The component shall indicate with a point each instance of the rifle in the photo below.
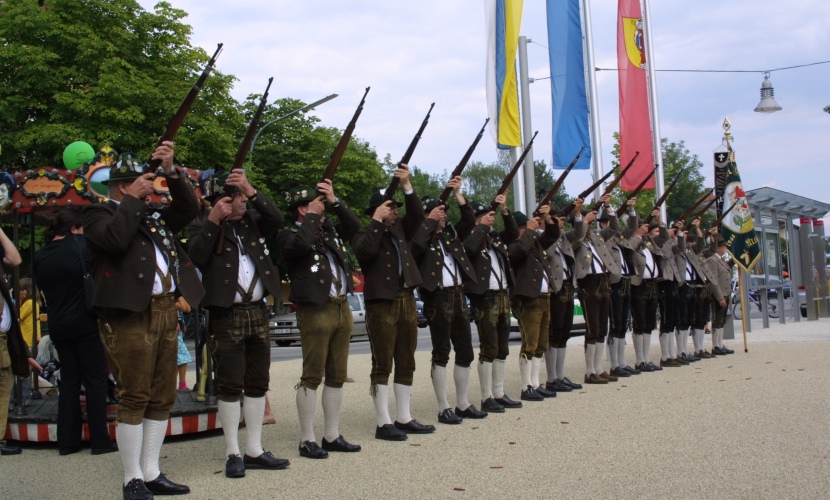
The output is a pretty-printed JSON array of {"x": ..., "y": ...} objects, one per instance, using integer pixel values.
[
  {"x": 705, "y": 208},
  {"x": 344, "y": 141},
  {"x": 393, "y": 184},
  {"x": 463, "y": 163},
  {"x": 154, "y": 164},
  {"x": 614, "y": 183},
  {"x": 570, "y": 208},
  {"x": 693, "y": 207},
  {"x": 664, "y": 196},
  {"x": 558, "y": 183},
  {"x": 241, "y": 154},
  {"x": 509, "y": 179},
  {"x": 636, "y": 191}
]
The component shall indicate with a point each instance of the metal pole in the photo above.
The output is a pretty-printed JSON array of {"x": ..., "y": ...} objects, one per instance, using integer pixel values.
[
  {"x": 659, "y": 176},
  {"x": 591, "y": 88},
  {"x": 744, "y": 307},
  {"x": 518, "y": 183},
  {"x": 527, "y": 129}
]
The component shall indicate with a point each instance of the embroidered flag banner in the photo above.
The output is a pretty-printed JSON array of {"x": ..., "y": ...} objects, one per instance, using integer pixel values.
[
  {"x": 635, "y": 124},
  {"x": 738, "y": 227},
  {"x": 503, "y": 19}
]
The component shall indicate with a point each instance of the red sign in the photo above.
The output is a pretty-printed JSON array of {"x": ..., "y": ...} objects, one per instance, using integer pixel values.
[
  {"x": 818, "y": 222},
  {"x": 806, "y": 220}
]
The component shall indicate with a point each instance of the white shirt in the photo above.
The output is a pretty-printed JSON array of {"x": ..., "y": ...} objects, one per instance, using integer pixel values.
[
  {"x": 449, "y": 268},
  {"x": 333, "y": 291},
  {"x": 246, "y": 273},
  {"x": 161, "y": 263},
  {"x": 650, "y": 272},
  {"x": 6, "y": 322},
  {"x": 497, "y": 272}
]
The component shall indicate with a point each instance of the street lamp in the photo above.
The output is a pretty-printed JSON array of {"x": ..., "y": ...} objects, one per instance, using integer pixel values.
[
  {"x": 767, "y": 104},
  {"x": 304, "y": 108}
]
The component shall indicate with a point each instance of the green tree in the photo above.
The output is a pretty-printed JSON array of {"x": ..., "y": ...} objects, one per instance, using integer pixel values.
[
  {"x": 104, "y": 71},
  {"x": 685, "y": 193}
]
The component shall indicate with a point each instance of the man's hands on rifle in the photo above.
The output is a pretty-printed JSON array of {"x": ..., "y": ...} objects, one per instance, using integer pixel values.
[
  {"x": 604, "y": 199},
  {"x": 402, "y": 173},
  {"x": 544, "y": 214},
  {"x": 534, "y": 223},
  {"x": 488, "y": 219},
  {"x": 455, "y": 185},
  {"x": 164, "y": 153},
  {"x": 326, "y": 189},
  {"x": 501, "y": 201},
  {"x": 383, "y": 211},
  {"x": 631, "y": 202},
  {"x": 696, "y": 222},
  {"x": 590, "y": 217},
  {"x": 578, "y": 206},
  {"x": 641, "y": 231},
  {"x": 237, "y": 179},
  {"x": 656, "y": 215},
  {"x": 316, "y": 206},
  {"x": 438, "y": 213},
  {"x": 141, "y": 187},
  {"x": 222, "y": 208}
]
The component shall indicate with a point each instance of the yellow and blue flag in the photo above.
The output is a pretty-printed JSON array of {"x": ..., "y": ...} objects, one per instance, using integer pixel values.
[{"x": 503, "y": 19}]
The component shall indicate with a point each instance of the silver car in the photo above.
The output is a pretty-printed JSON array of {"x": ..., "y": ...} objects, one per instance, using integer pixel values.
[{"x": 284, "y": 329}]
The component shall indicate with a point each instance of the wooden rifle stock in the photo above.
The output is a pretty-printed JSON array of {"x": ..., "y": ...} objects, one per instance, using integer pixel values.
[
  {"x": 693, "y": 207},
  {"x": 664, "y": 196},
  {"x": 176, "y": 122},
  {"x": 558, "y": 184},
  {"x": 509, "y": 179},
  {"x": 463, "y": 163},
  {"x": 241, "y": 154},
  {"x": 393, "y": 184},
  {"x": 614, "y": 183},
  {"x": 344, "y": 141},
  {"x": 636, "y": 191},
  {"x": 570, "y": 208}
]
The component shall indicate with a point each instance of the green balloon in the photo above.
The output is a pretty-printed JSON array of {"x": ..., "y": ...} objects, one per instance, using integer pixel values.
[{"x": 76, "y": 154}]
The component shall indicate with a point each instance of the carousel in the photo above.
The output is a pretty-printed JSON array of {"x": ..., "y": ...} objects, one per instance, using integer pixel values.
[{"x": 26, "y": 195}]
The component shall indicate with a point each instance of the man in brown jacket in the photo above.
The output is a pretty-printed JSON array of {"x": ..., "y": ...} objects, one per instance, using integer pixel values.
[
  {"x": 139, "y": 269},
  {"x": 237, "y": 272}
]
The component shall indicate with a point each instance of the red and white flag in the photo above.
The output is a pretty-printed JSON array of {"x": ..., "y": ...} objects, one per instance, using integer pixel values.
[{"x": 635, "y": 125}]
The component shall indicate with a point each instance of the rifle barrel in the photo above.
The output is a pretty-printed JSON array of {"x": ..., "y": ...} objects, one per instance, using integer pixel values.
[
  {"x": 393, "y": 184},
  {"x": 464, "y": 160},
  {"x": 509, "y": 179}
]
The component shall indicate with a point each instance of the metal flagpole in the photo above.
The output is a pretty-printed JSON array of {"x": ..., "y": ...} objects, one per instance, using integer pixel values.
[
  {"x": 527, "y": 129},
  {"x": 591, "y": 88},
  {"x": 659, "y": 176},
  {"x": 744, "y": 312}
]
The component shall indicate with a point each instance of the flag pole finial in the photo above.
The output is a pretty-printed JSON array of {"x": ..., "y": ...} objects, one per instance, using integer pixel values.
[{"x": 727, "y": 135}]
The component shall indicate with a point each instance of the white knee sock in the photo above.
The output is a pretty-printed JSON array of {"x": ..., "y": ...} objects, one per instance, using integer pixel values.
[
  {"x": 646, "y": 347},
  {"x": 550, "y": 364},
  {"x": 524, "y": 371},
  {"x": 498, "y": 377},
  {"x": 720, "y": 336},
  {"x": 714, "y": 336},
  {"x": 129, "y": 438},
  {"x": 254, "y": 411},
  {"x": 381, "y": 400},
  {"x": 229, "y": 418},
  {"x": 306, "y": 410},
  {"x": 485, "y": 379},
  {"x": 638, "y": 347},
  {"x": 152, "y": 439},
  {"x": 590, "y": 350},
  {"x": 461, "y": 377},
  {"x": 672, "y": 341},
  {"x": 612, "y": 352},
  {"x": 599, "y": 348},
  {"x": 664, "y": 346},
  {"x": 402, "y": 395},
  {"x": 439, "y": 384},
  {"x": 332, "y": 403},
  {"x": 560, "y": 362},
  {"x": 620, "y": 346},
  {"x": 678, "y": 339}
]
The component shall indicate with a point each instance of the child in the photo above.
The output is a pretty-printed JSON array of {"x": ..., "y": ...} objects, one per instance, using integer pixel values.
[
  {"x": 29, "y": 311},
  {"x": 183, "y": 355}
]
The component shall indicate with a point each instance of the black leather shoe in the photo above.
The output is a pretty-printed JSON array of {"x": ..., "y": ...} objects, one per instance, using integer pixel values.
[
  {"x": 163, "y": 486},
  {"x": 490, "y": 406},
  {"x": 654, "y": 367},
  {"x": 265, "y": 461},
  {"x": 727, "y": 350},
  {"x": 530, "y": 394},
  {"x": 9, "y": 449},
  {"x": 558, "y": 386},
  {"x": 619, "y": 372},
  {"x": 470, "y": 412},
  {"x": 310, "y": 449},
  {"x": 234, "y": 467},
  {"x": 68, "y": 451},
  {"x": 544, "y": 392},
  {"x": 389, "y": 432},
  {"x": 136, "y": 490},
  {"x": 718, "y": 351},
  {"x": 447, "y": 416},
  {"x": 631, "y": 370},
  {"x": 340, "y": 444},
  {"x": 507, "y": 402},
  {"x": 415, "y": 427},
  {"x": 103, "y": 451},
  {"x": 573, "y": 385}
]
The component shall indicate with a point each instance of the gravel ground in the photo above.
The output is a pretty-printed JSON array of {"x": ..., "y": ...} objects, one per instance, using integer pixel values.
[{"x": 748, "y": 425}]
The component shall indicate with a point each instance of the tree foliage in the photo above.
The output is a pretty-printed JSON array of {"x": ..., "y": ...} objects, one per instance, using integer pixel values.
[{"x": 104, "y": 71}]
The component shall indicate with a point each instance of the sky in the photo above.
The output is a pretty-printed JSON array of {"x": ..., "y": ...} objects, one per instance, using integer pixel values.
[{"x": 416, "y": 53}]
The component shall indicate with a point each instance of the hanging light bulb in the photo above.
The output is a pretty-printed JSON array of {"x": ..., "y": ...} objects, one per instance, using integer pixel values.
[{"x": 767, "y": 104}]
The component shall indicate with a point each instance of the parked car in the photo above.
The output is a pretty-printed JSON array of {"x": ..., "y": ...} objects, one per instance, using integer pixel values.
[
  {"x": 284, "y": 330},
  {"x": 419, "y": 313}
]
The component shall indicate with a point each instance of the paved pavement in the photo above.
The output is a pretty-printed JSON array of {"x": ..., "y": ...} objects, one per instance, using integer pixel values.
[{"x": 749, "y": 425}]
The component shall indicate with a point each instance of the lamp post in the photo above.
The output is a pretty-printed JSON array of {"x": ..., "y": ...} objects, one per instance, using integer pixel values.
[{"x": 304, "y": 108}]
